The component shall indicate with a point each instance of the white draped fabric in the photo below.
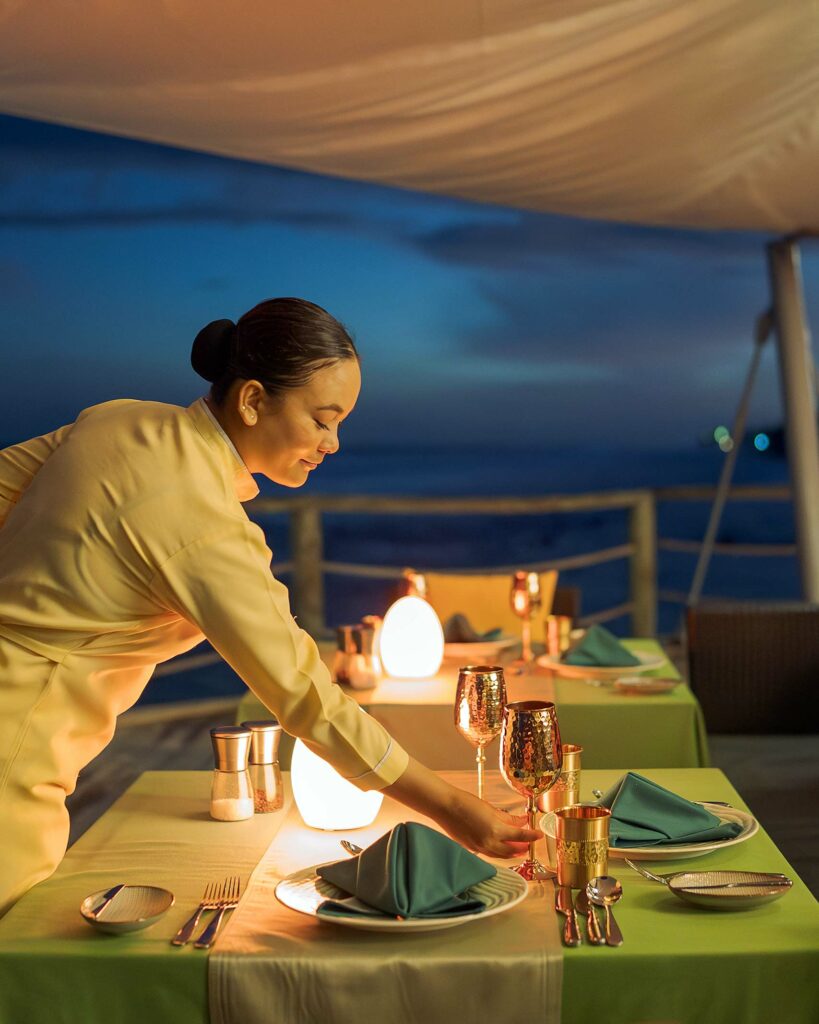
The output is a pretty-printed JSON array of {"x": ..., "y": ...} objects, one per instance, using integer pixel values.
[{"x": 679, "y": 112}]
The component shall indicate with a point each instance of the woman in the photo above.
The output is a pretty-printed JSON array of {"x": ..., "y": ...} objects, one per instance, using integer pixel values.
[{"x": 124, "y": 542}]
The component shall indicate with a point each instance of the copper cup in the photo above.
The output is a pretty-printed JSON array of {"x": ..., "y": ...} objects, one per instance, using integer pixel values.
[
  {"x": 558, "y": 635},
  {"x": 566, "y": 791},
  {"x": 582, "y": 844}
]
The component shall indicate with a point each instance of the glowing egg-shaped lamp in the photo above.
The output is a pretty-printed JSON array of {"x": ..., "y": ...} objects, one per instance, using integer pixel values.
[
  {"x": 325, "y": 800},
  {"x": 412, "y": 641}
]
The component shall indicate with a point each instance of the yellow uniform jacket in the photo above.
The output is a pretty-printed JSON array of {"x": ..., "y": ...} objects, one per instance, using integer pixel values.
[{"x": 122, "y": 542}]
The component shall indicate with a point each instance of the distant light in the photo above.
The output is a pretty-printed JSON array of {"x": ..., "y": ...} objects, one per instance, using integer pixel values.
[
  {"x": 720, "y": 433},
  {"x": 762, "y": 442},
  {"x": 726, "y": 444}
]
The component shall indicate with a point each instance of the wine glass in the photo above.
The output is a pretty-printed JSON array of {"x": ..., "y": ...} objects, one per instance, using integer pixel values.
[
  {"x": 531, "y": 760},
  {"x": 479, "y": 702},
  {"x": 525, "y": 601}
]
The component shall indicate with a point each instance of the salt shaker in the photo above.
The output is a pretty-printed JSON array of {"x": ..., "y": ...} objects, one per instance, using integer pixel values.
[
  {"x": 364, "y": 669},
  {"x": 265, "y": 773},
  {"x": 231, "y": 796},
  {"x": 345, "y": 649}
]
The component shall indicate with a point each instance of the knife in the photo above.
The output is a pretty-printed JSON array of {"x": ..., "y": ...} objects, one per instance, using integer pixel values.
[
  {"x": 563, "y": 905},
  {"x": 106, "y": 899},
  {"x": 593, "y": 933}
]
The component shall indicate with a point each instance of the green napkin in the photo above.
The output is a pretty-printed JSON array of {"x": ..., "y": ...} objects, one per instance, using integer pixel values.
[
  {"x": 459, "y": 630},
  {"x": 600, "y": 647},
  {"x": 412, "y": 871},
  {"x": 645, "y": 814}
]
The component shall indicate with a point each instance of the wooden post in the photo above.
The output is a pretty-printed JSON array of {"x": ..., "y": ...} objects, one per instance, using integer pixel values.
[
  {"x": 307, "y": 547},
  {"x": 643, "y": 565}
]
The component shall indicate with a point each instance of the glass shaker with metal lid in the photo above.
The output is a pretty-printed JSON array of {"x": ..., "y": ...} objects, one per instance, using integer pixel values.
[
  {"x": 231, "y": 797},
  {"x": 345, "y": 651},
  {"x": 265, "y": 773},
  {"x": 364, "y": 668}
]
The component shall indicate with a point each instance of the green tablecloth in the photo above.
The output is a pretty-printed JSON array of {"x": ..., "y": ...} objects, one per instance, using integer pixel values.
[
  {"x": 678, "y": 963},
  {"x": 660, "y": 731}
]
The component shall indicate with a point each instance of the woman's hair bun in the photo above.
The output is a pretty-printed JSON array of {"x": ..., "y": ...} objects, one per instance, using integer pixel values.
[{"x": 210, "y": 354}]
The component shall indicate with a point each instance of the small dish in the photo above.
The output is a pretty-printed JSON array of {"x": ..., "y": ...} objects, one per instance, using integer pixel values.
[
  {"x": 479, "y": 650},
  {"x": 728, "y": 890},
  {"x": 638, "y": 686},
  {"x": 134, "y": 907}
]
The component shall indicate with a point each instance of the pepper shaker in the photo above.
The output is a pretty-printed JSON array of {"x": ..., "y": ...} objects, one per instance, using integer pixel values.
[
  {"x": 345, "y": 650},
  {"x": 231, "y": 798},
  {"x": 265, "y": 773}
]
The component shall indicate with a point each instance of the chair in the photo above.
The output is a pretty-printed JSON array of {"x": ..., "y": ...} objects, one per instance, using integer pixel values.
[
  {"x": 755, "y": 667},
  {"x": 484, "y": 600}
]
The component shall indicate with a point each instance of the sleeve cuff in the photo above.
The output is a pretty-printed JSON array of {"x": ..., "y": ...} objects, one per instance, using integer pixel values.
[{"x": 388, "y": 770}]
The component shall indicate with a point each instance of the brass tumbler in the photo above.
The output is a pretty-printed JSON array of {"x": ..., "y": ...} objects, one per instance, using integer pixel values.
[
  {"x": 582, "y": 842},
  {"x": 566, "y": 791},
  {"x": 558, "y": 635}
]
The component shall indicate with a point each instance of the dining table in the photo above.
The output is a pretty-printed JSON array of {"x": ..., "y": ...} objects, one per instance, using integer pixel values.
[
  {"x": 678, "y": 962},
  {"x": 660, "y": 730}
]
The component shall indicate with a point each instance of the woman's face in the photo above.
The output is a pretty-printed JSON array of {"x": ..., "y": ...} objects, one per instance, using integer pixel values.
[{"x": 286, "y": 438}]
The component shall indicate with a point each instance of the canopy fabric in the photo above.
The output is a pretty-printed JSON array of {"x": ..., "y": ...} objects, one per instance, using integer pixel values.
[{"x": 678, "y": 112}]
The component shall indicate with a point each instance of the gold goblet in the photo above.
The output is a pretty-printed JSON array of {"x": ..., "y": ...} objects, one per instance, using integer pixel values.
[
  {"x": 531, "y": 759},
  {"x": 479, "y": 702},
  {"x": 525, "y": 601}
]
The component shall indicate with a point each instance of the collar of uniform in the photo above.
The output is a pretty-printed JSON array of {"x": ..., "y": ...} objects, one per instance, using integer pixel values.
[{"x": 210, "y": 428}]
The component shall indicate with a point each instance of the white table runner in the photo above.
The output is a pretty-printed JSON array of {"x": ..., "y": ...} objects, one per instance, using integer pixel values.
[{"x": 274, "y": 966}]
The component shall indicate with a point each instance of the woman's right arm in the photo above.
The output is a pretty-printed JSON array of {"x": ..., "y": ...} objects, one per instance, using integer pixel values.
[{"x": 223, "y": 584}]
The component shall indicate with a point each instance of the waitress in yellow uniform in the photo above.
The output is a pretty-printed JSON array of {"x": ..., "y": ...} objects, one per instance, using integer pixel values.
[{"x": 123, "y": 542}]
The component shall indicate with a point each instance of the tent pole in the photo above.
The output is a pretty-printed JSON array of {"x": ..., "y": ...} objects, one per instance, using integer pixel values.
[{"x": 798, "y": 376}]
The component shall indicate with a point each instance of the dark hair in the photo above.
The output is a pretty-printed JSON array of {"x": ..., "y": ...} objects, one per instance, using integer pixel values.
[{"x": 281, "y": 343}]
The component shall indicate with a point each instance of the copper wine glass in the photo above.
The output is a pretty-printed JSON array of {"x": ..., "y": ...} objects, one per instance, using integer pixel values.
[
  {"x": 531, "y": 760},
  {"x": 525, "y": 599},
  {"x": 479, "y": 702}
]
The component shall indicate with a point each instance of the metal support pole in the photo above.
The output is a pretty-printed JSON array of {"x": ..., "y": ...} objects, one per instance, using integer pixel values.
[
  {"x": 798, "y": 376},
  {"x": 307, "y": 549},
  {"x": 643, "y": 566}
]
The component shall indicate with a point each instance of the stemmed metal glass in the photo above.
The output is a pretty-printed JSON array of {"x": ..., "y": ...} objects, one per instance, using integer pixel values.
[
  {"x": 479, "y": 702},
  {"x": 531, "y": 760},
  {"x": 525, "y": 601}
]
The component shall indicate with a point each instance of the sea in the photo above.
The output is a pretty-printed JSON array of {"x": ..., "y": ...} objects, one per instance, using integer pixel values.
[{"x": 453, "y": 542}]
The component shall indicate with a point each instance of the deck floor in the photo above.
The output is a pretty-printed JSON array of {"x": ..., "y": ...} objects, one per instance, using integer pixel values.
[{"x": 778, "y": 776}]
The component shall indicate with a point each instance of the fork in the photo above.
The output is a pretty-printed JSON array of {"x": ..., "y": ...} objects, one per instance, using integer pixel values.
[
  {"x": 209, "y": 902},
  {"x": 228, "y": 900}
]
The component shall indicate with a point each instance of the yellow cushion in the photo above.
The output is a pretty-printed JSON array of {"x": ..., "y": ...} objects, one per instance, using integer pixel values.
[{"x": 484, "y": 600}]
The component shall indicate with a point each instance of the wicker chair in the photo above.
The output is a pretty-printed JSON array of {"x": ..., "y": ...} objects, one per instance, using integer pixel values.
[{"x": 755, "y": 667}]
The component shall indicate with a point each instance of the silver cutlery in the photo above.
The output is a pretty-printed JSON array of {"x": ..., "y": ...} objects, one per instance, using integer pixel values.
[
  {"x": 228, "y": 900},
  {"x": 209, "y": 898},
  {"x": 605, "y": 891},
  {"x": 584, "y": 906},
  {"x": 564, "y": 905},
  {"x": 106, "y": 899},
  {"x": 351, "y": 847}
]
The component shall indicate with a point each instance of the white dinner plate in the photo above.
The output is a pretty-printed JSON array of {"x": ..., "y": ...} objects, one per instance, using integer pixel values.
[
  {"x": 480, "y": 650},
  {"x": 648, "y": 663},
  {"x": 682, "y": 851},
  {"x": 304, "y": 892}
]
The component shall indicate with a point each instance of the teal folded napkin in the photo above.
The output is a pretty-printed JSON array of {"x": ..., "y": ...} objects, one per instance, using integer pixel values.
[
  {"x": 412, "y": 871},
  {"x": 600, "y": 647},
  {"x": 645, "y": 814},
  {"x": 459, "y": 630}
]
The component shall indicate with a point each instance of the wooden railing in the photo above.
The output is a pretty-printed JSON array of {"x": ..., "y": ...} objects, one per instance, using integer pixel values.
[{"x": 308, "y": 566}]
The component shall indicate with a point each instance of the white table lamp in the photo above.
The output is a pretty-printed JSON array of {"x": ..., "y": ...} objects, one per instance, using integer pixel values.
[{"x": 325, "y": 800}]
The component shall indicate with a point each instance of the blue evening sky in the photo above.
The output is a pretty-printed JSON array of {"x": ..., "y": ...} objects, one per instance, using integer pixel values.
[{"x": 477, "y": 324}]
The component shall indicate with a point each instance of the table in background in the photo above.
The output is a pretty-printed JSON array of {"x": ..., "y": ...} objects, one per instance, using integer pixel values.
[
  {"x": 660, "y": 731},
  {"x": 678, "y": 963}
]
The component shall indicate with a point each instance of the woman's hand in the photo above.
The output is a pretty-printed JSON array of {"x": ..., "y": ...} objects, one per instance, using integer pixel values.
[
  {"x": 486, "y": 830},
  {"x": 468, "y": 820}
]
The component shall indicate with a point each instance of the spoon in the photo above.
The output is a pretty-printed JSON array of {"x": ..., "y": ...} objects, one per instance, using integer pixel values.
[
  {"x": 585, "y": 906},
  {"x": 604, "y": 891}
]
